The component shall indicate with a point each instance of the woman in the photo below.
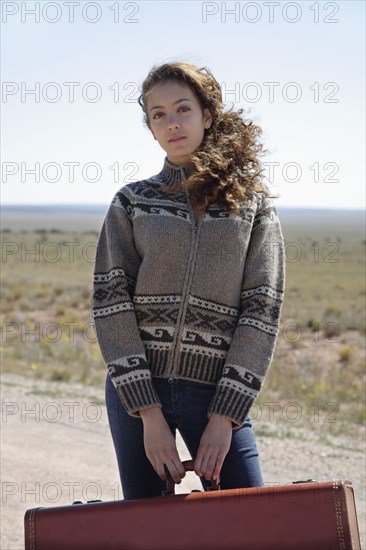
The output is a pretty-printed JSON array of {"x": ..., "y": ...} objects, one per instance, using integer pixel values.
[{"x": 188, "y": 289}]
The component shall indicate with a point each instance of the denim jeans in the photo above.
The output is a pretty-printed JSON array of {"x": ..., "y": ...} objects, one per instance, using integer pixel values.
[{"x": 184, "y": 405}]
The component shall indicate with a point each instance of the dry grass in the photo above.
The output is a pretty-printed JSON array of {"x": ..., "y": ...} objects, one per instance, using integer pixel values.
[{"x": 318, "y": 361}]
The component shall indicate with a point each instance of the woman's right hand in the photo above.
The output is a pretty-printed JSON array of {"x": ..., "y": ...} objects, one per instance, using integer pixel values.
[{"x": 160, "y": 445}]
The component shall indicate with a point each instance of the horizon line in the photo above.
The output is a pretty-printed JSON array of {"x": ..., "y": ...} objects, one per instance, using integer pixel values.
[{"x": 106, "y": 205}]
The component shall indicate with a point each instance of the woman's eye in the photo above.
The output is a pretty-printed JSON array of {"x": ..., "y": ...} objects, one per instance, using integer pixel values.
[{"x": 159, "y": 114}]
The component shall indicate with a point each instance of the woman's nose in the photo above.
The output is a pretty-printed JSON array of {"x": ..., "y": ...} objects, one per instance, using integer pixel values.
[{"x": 173, "y": 123}]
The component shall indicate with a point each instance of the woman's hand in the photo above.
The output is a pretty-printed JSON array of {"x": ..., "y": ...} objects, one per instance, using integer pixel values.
[
  {"x": 214, "y": 446},
  {"x": 160, "y": 445}
]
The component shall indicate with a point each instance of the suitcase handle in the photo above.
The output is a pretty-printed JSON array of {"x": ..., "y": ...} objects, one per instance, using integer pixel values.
[{"x": 189, "y": 467}]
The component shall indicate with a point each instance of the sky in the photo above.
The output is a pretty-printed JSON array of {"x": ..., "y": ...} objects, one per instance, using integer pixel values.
[{"x": 72, "y": 130}]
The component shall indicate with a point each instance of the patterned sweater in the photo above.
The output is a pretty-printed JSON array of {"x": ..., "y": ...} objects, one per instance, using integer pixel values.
[{"x": 195, "y": 300}]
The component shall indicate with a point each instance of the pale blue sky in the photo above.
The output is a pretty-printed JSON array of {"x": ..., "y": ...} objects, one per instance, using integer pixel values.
[{"x": 325, "y": 60}]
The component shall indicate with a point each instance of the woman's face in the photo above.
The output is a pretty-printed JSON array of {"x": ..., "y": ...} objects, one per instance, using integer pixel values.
[{"x": 176, "y": 120}]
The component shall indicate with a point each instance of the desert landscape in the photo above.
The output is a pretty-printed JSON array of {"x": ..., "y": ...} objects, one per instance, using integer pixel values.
[{"x": 56, "y": 446}]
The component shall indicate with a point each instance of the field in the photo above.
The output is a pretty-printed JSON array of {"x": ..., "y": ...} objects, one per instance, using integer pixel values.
[
  {"x": 47, "y": 265},
  {"x": 308, "y": 419}
]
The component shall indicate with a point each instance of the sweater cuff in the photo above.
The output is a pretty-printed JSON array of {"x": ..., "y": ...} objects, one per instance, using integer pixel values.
[
  {"x": 231, "y": 404},
  {"x": 138, "y": 393}
]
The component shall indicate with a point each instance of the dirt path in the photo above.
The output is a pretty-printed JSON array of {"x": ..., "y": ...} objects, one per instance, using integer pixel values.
[{"x": 56, "y": 448}]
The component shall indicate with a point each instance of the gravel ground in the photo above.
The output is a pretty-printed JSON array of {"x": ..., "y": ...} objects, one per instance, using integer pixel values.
[{"x": 56, "y": 448}]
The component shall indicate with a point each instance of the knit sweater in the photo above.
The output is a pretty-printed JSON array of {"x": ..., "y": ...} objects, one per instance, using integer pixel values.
[{"x": 179, "y": 298}]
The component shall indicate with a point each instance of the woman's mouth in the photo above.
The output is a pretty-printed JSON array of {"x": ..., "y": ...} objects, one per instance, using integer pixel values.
[{"x": 177, "y": 138}]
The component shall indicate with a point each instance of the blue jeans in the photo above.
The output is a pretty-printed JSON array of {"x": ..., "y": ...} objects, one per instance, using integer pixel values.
[{"x": 185, "y": 405}]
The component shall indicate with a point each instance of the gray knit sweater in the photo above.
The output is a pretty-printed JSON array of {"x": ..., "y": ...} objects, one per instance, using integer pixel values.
[{"x": 176, "y": 298}]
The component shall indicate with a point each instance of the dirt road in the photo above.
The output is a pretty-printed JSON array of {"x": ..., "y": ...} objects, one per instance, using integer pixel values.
[{"x": 56, "y": 448}]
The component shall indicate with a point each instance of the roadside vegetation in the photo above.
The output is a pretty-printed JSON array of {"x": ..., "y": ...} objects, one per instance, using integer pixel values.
[{"x": 318, "y": 368}]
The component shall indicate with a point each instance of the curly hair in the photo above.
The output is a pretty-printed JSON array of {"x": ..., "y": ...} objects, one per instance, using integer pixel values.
[{"x": 227, "y": 167}]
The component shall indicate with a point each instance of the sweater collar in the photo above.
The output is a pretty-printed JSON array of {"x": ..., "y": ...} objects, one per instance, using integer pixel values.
[{"x": 172, "y": 173}]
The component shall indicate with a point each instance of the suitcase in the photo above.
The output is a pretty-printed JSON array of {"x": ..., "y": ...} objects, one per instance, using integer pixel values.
[{"x": 307, "y": 515}]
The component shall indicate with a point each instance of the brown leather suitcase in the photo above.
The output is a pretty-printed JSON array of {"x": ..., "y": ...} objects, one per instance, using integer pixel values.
[{"x": 308, "y": 515}]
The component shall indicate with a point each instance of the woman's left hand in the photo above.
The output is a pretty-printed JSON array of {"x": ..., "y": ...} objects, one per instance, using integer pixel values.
[{"x": 214, "y": 446}]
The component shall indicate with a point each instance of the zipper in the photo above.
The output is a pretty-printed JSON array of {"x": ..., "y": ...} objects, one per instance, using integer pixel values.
[{"x": 191, "y": 265}]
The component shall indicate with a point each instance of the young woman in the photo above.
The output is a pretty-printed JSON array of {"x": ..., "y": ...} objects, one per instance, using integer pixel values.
[{"x": 188, "y": 289}]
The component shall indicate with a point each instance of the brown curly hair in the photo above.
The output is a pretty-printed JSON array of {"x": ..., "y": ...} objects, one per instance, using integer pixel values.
[{"x": 227, "y": 168}]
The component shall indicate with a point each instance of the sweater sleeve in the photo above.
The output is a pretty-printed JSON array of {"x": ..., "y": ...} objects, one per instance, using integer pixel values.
[
  {"x": 116, "y": 268},
  {"x": 252, "y": 347}
]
